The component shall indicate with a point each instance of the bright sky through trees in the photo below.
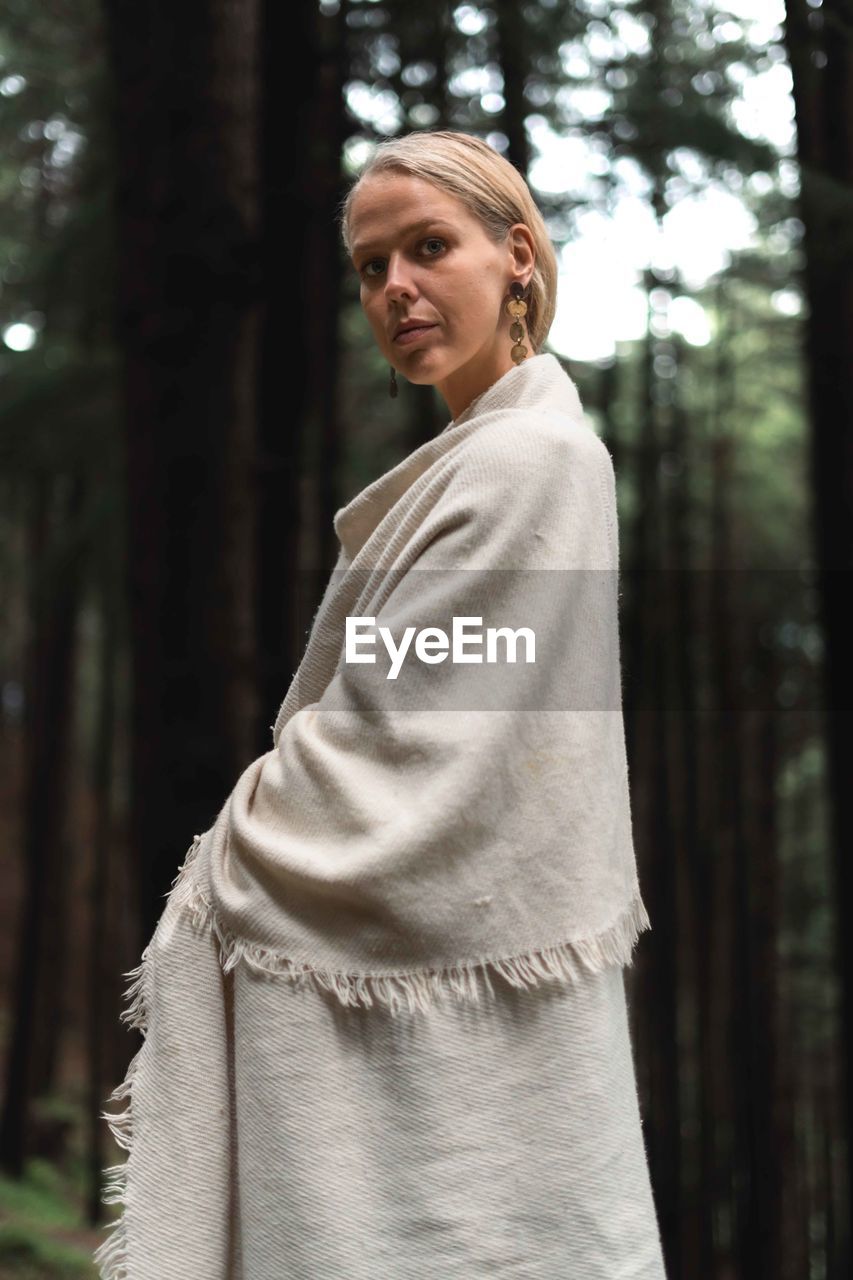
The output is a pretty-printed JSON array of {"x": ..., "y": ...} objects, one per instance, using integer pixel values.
[{"x": 600, "y": 299}]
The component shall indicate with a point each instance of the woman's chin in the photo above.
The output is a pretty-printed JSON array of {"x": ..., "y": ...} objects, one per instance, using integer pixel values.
[{"x": 421, "y": 365}]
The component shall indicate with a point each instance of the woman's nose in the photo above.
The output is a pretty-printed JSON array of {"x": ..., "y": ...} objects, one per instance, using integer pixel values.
[{"x": 398, "y": 278}]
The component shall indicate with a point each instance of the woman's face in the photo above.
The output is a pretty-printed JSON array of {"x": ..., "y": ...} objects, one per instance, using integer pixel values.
[{"x": 421, "y": 256}]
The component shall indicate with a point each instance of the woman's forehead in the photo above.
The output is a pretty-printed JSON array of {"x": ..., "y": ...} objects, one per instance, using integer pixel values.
[{"x": 398, "y": 206}]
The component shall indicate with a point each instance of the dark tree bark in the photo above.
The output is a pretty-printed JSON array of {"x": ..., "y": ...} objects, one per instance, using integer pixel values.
[
  {"x": 767, "y": 1045},
  {"x": 514, "y": 60},
  {"x": 300, "y": 444},
  {"x": 48, "y": 684},
  {"x": 820, "y": 51},
  {"x": 103, "y": 933},
  {"x": 189, "y": 277},
  {"x": 684, "y": 717}
]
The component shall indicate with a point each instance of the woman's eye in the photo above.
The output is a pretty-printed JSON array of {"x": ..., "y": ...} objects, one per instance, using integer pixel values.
[
  {"x": 365, "y": 270},
  {"x": 433, "y": 240}
]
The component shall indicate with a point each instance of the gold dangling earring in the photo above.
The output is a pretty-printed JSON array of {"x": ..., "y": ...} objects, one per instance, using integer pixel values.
[
  {"x": 517, "y": 307},
  {"x": 392, "y": 385}
]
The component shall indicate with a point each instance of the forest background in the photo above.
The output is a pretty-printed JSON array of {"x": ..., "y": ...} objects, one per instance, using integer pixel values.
[{"x": 189, "y": 391}]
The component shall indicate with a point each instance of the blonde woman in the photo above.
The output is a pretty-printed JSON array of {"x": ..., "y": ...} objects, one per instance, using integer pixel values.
[{"x": 386, "y": 1029}]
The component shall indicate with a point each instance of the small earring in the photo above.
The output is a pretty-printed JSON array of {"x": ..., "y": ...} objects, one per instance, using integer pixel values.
[
  {"x": 517, "y": 307},
  {"x": 392, "y": 385}
]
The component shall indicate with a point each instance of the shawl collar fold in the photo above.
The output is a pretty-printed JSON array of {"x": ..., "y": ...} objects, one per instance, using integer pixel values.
[{"x": 538, "y": 383}]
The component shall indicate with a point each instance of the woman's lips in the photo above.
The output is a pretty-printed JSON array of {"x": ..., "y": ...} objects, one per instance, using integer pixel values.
[{"x": 411, "y": 335}]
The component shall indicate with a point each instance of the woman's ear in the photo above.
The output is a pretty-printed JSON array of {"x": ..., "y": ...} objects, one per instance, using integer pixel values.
[{"x": 522, "y": 249}]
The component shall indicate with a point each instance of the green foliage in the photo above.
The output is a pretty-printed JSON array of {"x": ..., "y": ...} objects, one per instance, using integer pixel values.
[{"x": 40, "y": 1233}]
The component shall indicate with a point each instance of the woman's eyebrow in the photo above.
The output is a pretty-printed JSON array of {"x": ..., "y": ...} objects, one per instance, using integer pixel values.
[{"x": 413, "y": 226}]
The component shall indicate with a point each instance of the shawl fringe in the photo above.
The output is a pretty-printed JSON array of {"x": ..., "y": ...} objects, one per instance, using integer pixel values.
[
  {"x": 111, "y": 1255},
  {"x": 420, "y": 990}
]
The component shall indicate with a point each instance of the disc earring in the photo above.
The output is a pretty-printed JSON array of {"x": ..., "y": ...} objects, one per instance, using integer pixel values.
[{"x": 517, "y": 307}]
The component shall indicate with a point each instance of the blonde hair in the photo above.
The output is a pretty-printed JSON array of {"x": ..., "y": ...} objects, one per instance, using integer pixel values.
[{"x": 491, "y": 189}]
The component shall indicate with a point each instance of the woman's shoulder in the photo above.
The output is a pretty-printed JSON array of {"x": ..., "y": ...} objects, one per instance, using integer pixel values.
[
  {"x": 516, "y": 443},
  {"x": 529, "y": 488}
]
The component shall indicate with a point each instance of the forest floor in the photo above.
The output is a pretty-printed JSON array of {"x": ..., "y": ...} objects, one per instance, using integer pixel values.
[
  {"x": 43, "y": 1216},
  {"x": 41, "y": 1236}
]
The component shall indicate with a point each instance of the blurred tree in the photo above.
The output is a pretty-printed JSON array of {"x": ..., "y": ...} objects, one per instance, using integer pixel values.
[
  {"x": 819, "y": 42},
  {"x": 185, "y": 115}
]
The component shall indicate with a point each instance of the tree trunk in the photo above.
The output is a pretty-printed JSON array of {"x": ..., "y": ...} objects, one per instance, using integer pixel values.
[
  {"x": 820, "y": 52},
  {"x": 188, "y": 319},
  {"x": 48, "y": 687}
]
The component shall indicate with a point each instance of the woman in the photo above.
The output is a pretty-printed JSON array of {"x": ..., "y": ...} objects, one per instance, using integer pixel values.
[{"x": 384, "y": 1010}]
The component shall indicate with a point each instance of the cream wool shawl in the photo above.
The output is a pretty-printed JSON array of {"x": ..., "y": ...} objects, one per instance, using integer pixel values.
[{"x": 408, "y": 841}]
